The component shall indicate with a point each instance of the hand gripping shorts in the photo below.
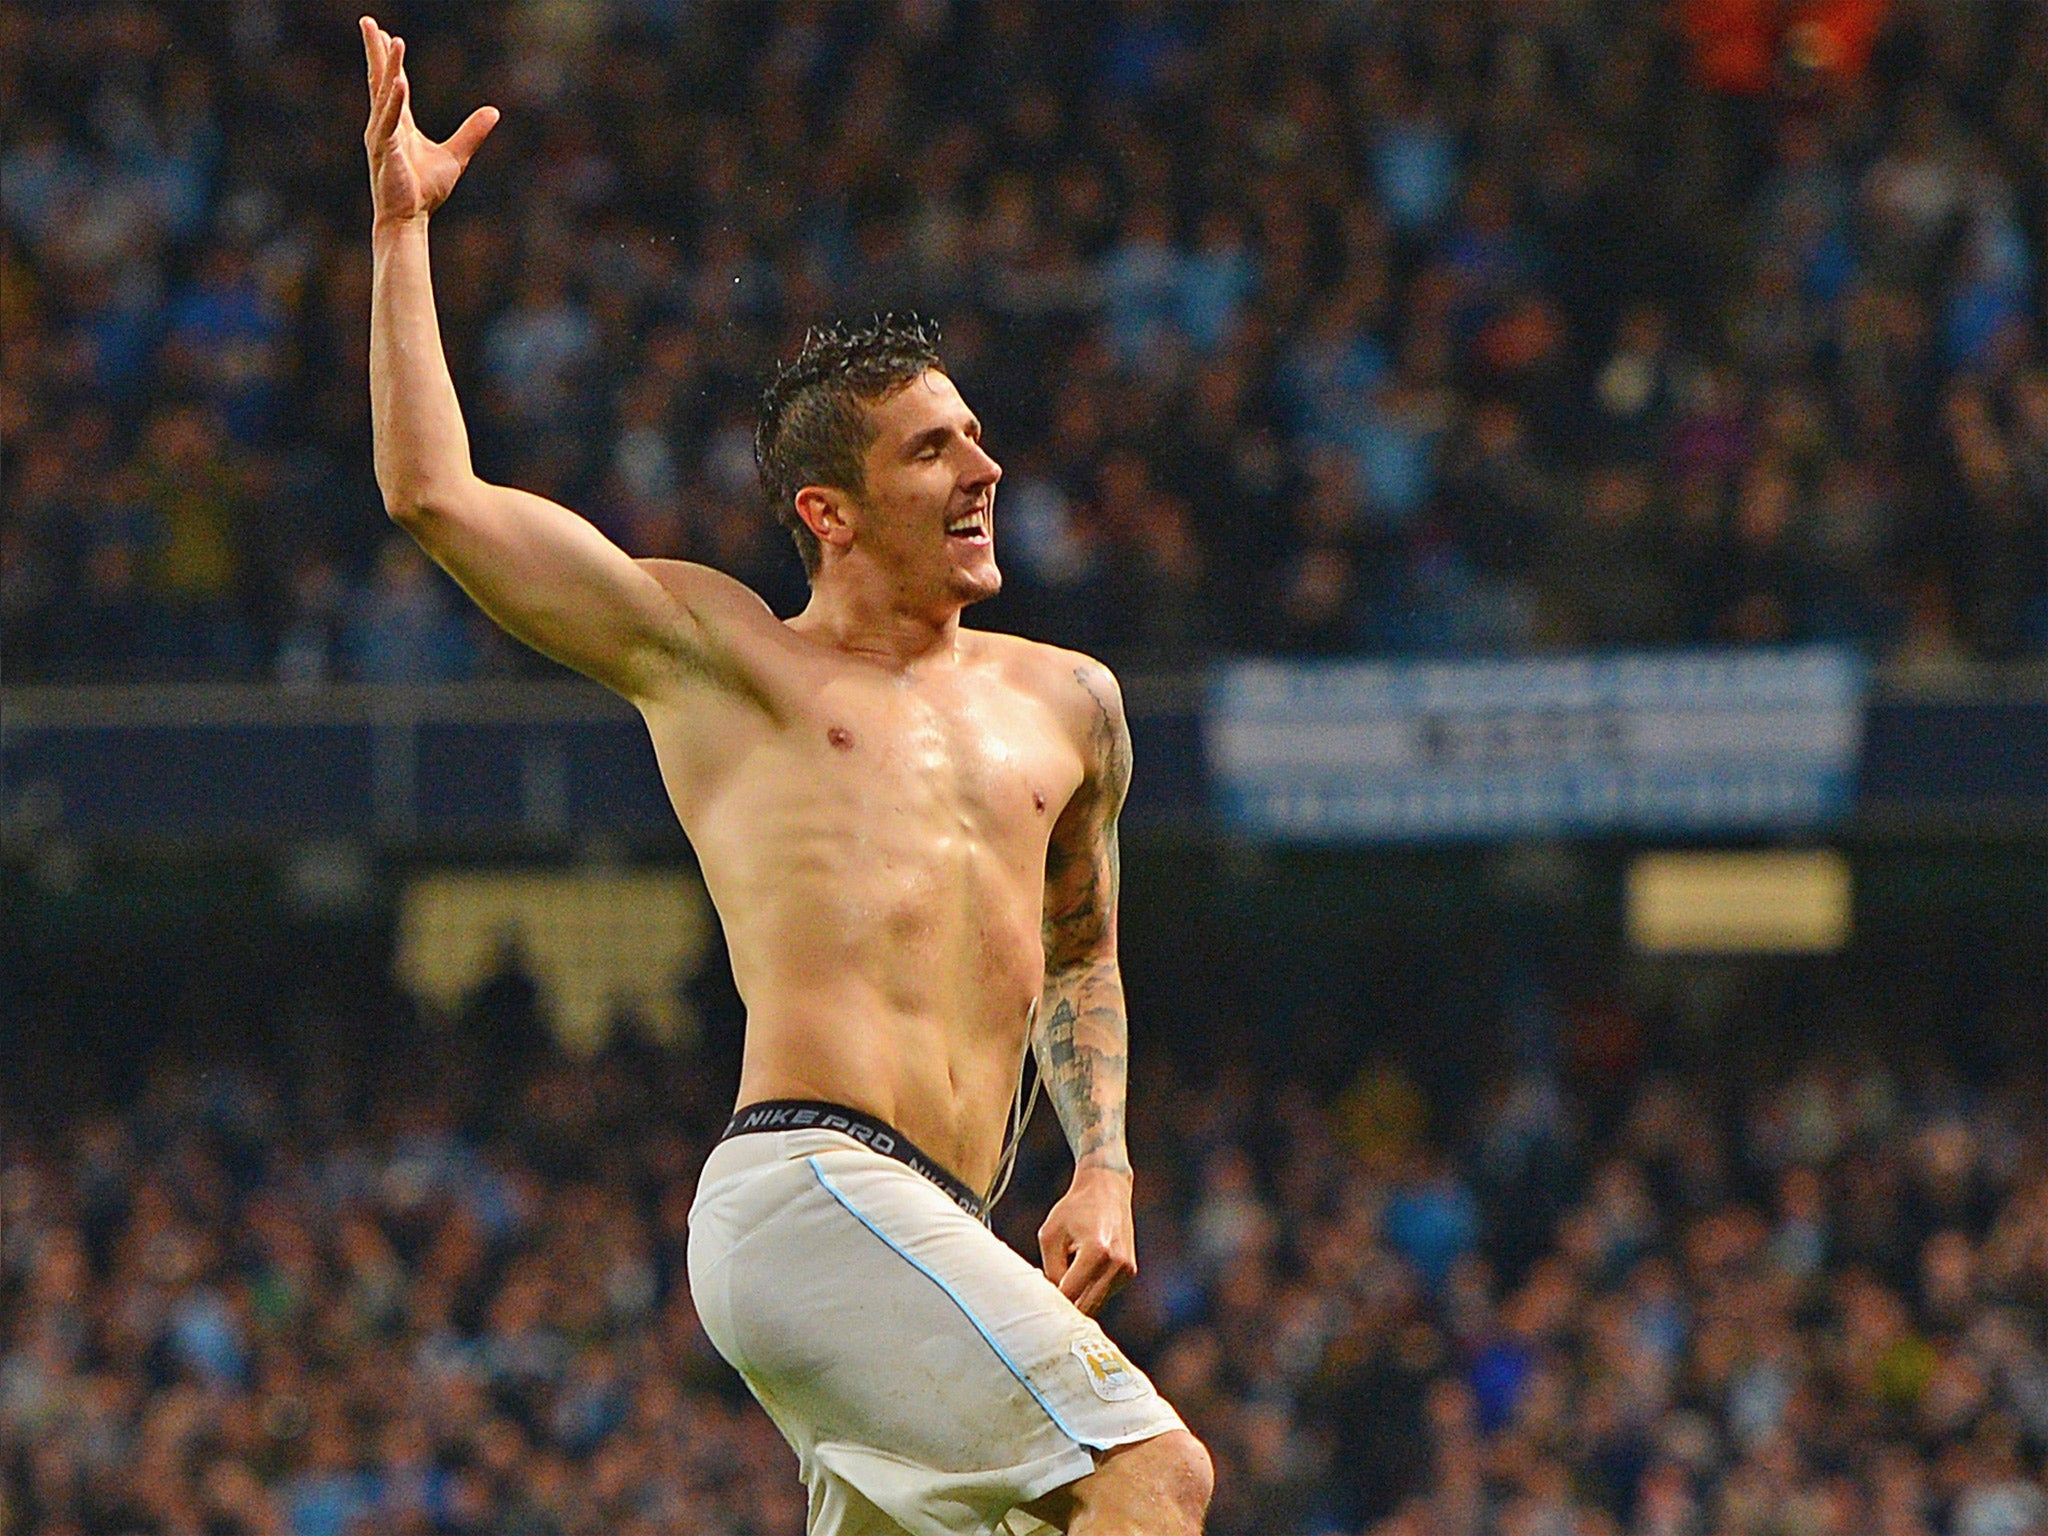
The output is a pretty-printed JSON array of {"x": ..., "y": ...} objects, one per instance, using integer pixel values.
[{"x": 928, "y": 1378}]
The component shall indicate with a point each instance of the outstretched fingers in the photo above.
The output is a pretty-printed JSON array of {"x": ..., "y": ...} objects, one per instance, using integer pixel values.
[
  {"x": 419, "y": 172},
  {"x": 389, "y": 109},
  {"x": 377, "y": 58},
  {"x": 405, "y": 122},
  {"x": 376, "y": 55}
]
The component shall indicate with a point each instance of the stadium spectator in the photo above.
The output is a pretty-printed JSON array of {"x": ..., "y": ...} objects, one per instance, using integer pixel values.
[
  {"x": 1418, "y": 236},
  {"x": 1803, "y": 1300}
]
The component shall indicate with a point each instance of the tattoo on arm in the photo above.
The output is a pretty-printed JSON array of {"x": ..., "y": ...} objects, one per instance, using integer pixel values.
[
  {"x": 1086, "y": 1067},
  {"x": 1082, "y": 1038},
  {"x": 1112, "y": 746}
]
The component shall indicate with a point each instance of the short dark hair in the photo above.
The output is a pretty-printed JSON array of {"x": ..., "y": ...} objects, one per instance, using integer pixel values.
[{"x": 813, "y": 427}]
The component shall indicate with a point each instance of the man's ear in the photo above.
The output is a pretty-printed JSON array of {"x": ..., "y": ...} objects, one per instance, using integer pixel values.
[{"x": 827, "y": 512}]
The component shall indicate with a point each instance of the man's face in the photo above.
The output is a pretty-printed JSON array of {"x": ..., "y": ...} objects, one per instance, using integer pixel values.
[{"x": 928, "y": 511}]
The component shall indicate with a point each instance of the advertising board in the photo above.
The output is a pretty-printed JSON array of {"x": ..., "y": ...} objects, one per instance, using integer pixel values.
[{"x": 1670, "y": 742}]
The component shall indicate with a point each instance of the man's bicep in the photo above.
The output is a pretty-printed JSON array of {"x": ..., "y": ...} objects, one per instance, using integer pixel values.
[
  {"x": 1108, "y": 751},
  {"x": 550, "y": 578},
  {"x": 1083, "y": 862},
  {"x": 1080, "y": 889}
]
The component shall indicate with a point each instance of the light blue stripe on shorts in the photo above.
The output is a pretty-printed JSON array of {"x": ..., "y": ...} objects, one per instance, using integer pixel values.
[{"x": 951, "y": 1295}]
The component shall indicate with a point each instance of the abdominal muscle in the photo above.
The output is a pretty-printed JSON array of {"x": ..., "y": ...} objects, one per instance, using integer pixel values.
[{"x": 888, "y": 956}]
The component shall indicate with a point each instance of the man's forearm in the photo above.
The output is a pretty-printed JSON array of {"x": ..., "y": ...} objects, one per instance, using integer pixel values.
[
  {"x": 1083, "y": 1050},
  {"x": 422, "y": 447}
]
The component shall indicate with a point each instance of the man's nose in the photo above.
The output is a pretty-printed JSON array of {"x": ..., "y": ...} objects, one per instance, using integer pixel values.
[{"x": 981, "y": 468}]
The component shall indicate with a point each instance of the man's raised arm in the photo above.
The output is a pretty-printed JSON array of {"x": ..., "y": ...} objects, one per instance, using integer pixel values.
[
  {"x": 538, "y": 569},
  {"x": 1082, "y": 1039}
]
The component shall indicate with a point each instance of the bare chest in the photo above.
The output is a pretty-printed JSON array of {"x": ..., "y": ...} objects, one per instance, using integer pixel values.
[{"x": 967, "y": 755}]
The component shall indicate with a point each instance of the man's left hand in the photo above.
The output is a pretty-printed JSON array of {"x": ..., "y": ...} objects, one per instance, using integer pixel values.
[{"x": 1089, "y": 1242}]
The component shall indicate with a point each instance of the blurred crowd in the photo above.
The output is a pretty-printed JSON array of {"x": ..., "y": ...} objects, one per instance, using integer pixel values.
[
  {"x": 438, "y": 1287},
  {"x": 1335, "y": 326}
]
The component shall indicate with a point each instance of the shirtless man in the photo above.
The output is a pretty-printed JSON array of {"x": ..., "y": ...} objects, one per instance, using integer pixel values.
[{"x": 909, "y": 830}]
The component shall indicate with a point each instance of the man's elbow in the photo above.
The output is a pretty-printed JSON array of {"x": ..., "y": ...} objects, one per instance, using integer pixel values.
[
  {"x": 403, "y": 507},
  {"x": 414, "y": 503}
]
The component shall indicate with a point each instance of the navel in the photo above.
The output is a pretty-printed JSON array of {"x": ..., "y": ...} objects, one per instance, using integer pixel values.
[
  {"x": 1038, "y": 799},
  {"x": 840, "y": 737}
]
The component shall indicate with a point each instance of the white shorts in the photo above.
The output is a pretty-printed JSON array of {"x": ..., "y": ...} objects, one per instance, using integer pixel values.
[{"x": 929, "y": 1379}]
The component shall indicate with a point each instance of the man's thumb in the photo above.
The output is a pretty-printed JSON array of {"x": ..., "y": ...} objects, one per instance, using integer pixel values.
[{"x": 474, "y": 130}]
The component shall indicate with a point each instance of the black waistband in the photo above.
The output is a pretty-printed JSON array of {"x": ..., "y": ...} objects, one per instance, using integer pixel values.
[{"x": 816, "y": 1115}]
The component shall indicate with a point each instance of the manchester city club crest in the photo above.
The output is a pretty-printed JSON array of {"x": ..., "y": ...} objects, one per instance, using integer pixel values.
[{"x": 1109, "y": 1373}]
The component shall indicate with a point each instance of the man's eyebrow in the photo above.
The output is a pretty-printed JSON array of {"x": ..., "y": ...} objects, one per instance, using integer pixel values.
[{"x": 935, "y": 437}]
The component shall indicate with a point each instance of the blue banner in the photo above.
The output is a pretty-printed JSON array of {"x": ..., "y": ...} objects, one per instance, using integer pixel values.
[
  {"x": 1667, "y": 742},
  {"x": 532, "y": 761}
]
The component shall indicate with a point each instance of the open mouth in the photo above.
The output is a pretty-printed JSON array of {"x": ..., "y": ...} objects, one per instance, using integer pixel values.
[{"x": 970, "y": 527}]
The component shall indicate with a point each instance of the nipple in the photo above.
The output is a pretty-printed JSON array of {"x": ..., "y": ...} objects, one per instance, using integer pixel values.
[{"x": 840, "y": 737}]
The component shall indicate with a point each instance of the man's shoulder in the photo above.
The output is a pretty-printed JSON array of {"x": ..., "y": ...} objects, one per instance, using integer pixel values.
[
  {"x": 735, "y": 616},
  {"x": 1067, "y": 680},
  {"x": 1079, "y": 692},
  {"x": 738, "y": 643}
]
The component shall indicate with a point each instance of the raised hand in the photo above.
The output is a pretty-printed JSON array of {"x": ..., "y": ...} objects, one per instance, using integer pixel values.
[{"x": 410, "y": 175}]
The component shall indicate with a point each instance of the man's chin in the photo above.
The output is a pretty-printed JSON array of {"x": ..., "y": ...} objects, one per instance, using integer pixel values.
[{"x": 975, "y": 583}]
